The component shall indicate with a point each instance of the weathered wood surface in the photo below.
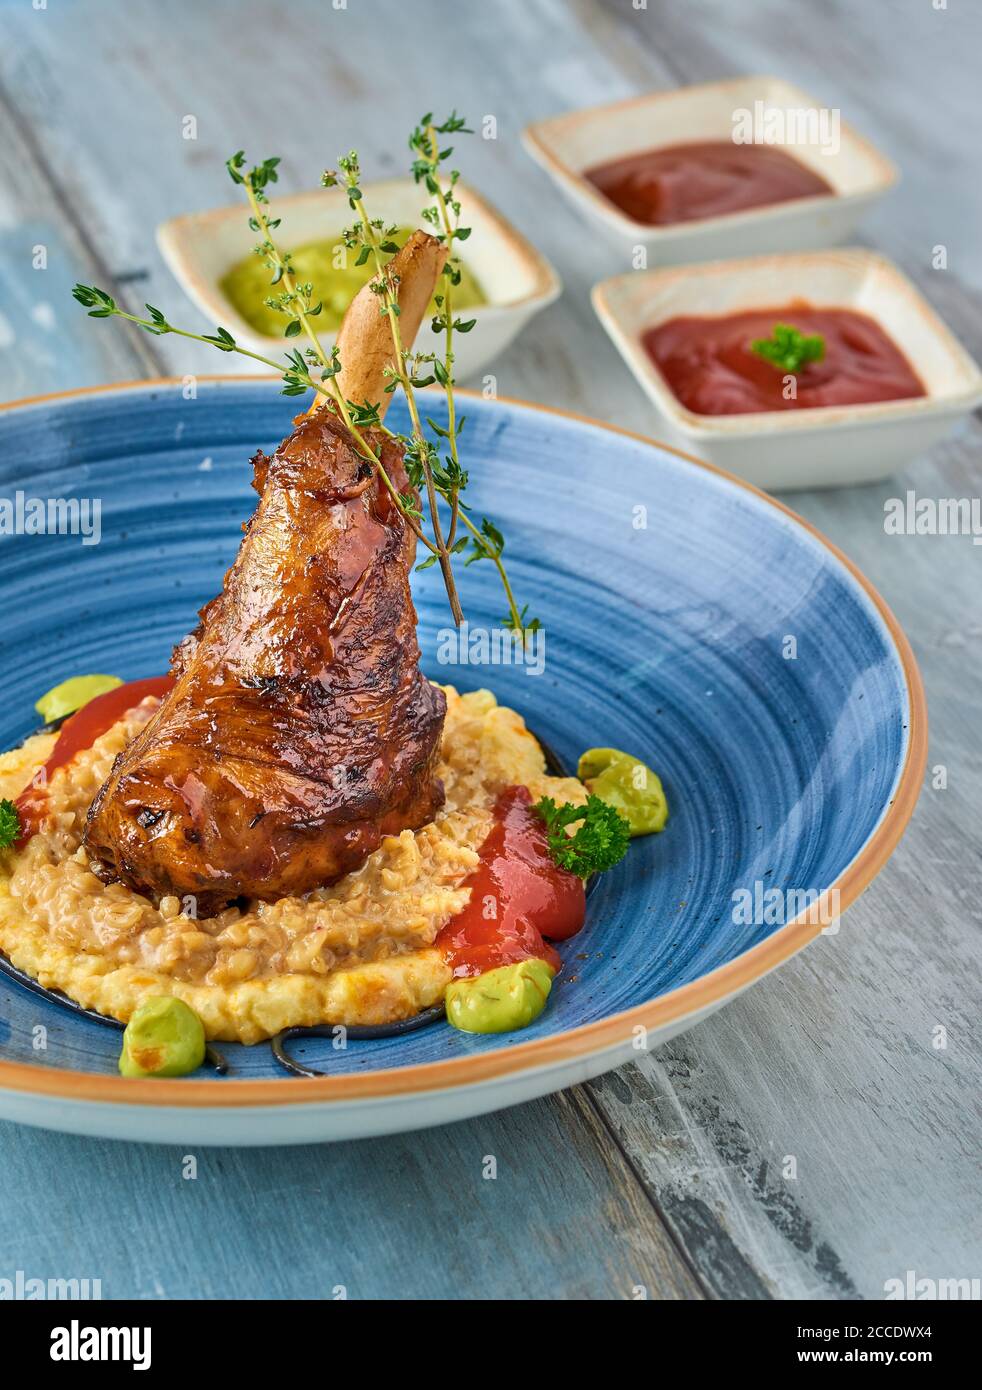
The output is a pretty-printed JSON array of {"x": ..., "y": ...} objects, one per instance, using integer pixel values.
[{"x": 668, "y": 1176}]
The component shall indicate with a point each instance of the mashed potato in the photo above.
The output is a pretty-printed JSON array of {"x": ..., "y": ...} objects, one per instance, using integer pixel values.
[{"x": 358, "y": 952}]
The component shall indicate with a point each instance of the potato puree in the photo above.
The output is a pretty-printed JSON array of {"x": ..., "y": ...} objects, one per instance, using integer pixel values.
[{"x": 358, "y": 952}]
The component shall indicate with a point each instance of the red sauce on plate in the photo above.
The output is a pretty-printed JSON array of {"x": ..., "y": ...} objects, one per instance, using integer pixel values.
[
  {"x": 705, "y": 178},
  {"x": 79, "y": 732},
  {"x": 519, "y": 896},
  {"x": 709, "y": 365}
]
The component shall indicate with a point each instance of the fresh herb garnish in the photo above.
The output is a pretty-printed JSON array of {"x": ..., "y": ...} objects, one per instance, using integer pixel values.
[
  {"x": 789, "y": 348},
  {"x": 432, "y": 460},
  {"x": 599, "y": 843},
  {"x": 9, "y": 823}
]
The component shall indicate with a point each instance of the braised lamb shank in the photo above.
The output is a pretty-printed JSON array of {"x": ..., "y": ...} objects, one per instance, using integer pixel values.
[{"x": 300, "y": 729}]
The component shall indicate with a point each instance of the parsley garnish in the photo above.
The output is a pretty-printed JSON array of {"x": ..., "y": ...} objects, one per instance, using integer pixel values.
[
  {"x": 789, "y": 348},
  {"x": 600, "y": 842},
  {"x": 9, "y": 823}
]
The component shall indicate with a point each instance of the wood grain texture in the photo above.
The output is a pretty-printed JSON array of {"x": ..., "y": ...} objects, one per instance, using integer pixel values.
[
  {"x": 43, "y": 337},
  {"x": 422, "y": 1216},
  {"x": 667, "y": 1176}
]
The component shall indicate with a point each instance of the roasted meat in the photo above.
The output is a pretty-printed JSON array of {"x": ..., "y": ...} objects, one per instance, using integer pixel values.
[{"x": 300, "y": 729}]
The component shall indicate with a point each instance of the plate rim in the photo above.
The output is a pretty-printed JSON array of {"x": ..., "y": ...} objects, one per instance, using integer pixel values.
[{"x": 700, "y": 995}]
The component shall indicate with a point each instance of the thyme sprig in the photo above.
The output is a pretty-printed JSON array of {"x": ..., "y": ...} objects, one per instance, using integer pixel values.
[
  {"x": 372, "y": 239},
  {"x": 444, "y": 216},
  {"x": 432, "y": 461},
  {"x": 295, "y": 300},
  {"x": 442, "y": 478},
  {"x": 294, "y": 372}
]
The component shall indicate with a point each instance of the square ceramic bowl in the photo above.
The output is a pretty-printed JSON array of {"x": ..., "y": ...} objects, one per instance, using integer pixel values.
[
  {"x": 831, "y": 446},
  {"x": 201, "y": 247},
  {"x": 566, "y": 146}
]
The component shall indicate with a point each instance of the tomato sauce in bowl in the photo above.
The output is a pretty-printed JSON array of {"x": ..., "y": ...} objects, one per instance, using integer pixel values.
[
  {"x": 707, "y": 178},
  {"x": 709, "y": 365}
]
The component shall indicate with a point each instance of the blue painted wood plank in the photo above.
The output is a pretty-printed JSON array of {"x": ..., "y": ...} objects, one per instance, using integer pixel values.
[
  {"x": 47, "y": 343},
  {"x": 529, "y": 1204}
]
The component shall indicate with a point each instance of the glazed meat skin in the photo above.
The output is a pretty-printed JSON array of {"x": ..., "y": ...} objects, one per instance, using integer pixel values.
[{"x": 300, "y": 729}]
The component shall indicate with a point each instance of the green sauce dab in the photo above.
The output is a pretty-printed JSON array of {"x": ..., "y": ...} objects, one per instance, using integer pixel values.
[
  {"x": 329, "y": 266},
  {"x": 501, "y": 1000},
  {"x": 627, "y": 784},
  {"x": 165, "y": 1037},
  {"x": 71, "y": 695}
]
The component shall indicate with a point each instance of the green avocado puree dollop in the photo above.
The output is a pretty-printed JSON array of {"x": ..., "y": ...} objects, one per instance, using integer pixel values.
[
  {"x": 72, "y": 694},
  {"x": 165, "y": 1037},
  {"x": 512, "y": 996},
  {"x": 627, "y": 784}
]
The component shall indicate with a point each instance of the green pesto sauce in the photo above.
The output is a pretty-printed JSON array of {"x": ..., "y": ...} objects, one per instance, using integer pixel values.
[
  {"x": 500, "y": 1000},
  {"x": 330, "y": 267}
]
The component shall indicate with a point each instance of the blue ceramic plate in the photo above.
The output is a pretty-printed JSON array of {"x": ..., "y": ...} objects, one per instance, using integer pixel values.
[{"x": 688, "y": 619}]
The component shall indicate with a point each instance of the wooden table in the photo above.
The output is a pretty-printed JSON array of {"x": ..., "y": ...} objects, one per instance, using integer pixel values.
[{"x": 663, "y": 1179}]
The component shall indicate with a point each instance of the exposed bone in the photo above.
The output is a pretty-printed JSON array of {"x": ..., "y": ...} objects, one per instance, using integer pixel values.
[{"x": 365, "y": 337}]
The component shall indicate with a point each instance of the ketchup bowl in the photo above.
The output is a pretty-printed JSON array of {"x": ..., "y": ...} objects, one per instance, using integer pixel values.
[
  {"x": 893, "y": 382},
  {"x": 667, "y": 639},
  {"x": 756, "y": 165}
]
